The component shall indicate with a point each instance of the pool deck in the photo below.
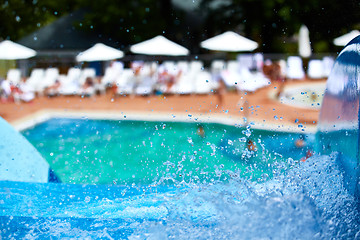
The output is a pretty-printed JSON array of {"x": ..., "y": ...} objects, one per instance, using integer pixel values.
[{"x": 260, "y": 109}]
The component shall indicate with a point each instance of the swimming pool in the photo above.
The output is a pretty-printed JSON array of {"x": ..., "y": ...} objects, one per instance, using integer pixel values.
[
  {"x": 294, "y": 200},
  {"x": 147, "y": 152}
]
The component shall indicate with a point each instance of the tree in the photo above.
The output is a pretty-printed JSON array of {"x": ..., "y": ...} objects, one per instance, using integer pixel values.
[
  {"x": 20, "y": 17},
  {"x": 130, "y": 21},
  {"x": 270, "y": 22}
]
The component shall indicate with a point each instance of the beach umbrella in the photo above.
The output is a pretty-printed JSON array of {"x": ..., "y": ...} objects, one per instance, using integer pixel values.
[
  {"x": 346, "y": 38},
  {"x": 159, "y": 45},
  {"x": 229, "y": 42},
  {"x": 13, "y": 51},
  {"x": 99, "y": 52},
  {"x": 304, "y": 42}
]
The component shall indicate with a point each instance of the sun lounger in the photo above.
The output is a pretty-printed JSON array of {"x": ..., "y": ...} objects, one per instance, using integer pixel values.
[
  {"x": 316, "y": 69},
  {"x": 196, "y": 67},
  {"x": 250, "y": 82},
  {"x": 246, "y": 61},
  {"x": 217, "y": 66},
  {"x": 203, "y": 83},
  {"x": 147, "y": 80},
  {"x": 85, "y": 73},
  {"x": 146, "y": 86},
  {"x": 294, "y": 68},
  {"x": 124, "y": 82},
  {"x": 110, "y": 76},
  {"x": 70, "y": 82},
  {"x": 14, "y": 76},
  {"x": 231, "y": 75},
  {"x": 50, "y": 76},
  {"x": 259, "y": 61},
  {"x": 26, "y": 92},
  {"x": 35, "y": 79}
]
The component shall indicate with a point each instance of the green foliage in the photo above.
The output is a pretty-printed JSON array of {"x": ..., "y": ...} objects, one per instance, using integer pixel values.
[
  {"x": 130, "y": 21},
  {"x": 269, "y": 22},
  {"x": 21, "y": 17}
]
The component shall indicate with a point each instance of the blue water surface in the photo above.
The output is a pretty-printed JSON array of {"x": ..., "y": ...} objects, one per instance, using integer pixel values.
[{"x": 301, "y": 200}]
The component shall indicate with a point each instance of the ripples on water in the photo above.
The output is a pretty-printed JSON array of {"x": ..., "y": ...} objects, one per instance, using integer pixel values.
[{"x": 308, "y": 202}]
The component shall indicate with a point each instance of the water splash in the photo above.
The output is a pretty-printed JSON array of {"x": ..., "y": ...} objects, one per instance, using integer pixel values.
[{"x": 308, "y": 202}]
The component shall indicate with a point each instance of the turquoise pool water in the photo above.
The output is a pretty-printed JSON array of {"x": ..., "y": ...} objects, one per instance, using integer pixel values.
[
  {"x": 202, "y": 195},
  {"x": 145, "y": 152}
]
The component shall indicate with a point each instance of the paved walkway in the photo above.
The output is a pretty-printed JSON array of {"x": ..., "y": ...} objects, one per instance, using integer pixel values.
[{"x": 259, "y": 107}]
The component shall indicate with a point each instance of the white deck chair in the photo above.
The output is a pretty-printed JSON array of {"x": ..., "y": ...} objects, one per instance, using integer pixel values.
[
  {"x": 217, "y": 66},
  {"x": 27, "y": 92},
  {"x": 109, "y": 76},
  {"x": 35, "y": 79},
  {"x": 233, "y": 66},
  {"x": 14, "y": 76},
  {"x": 146, "y": 86},
  {"x": 183, "y": 66},
  {"x": 50, "y": 76},
  {"x": 203, "y": 83},
  {"x": 250, "y": 82},
  {"x": 70, "y": 83},
  {"x": 196, "y": 67},
  {"x": 259, "y": 61},
  {"x": 231, "y": 75},
  {"x": 147, "y": 82},
  {"x": 124, "y": 82},
  {"x": 85, "y": 73},
  {"x": 316, "y": 69},
  {"x": 171, "y": 67},
  {"x": 184, "y": 85},
  {"x": 246, "y": 61},
  {"x": 294, "y": 68}
]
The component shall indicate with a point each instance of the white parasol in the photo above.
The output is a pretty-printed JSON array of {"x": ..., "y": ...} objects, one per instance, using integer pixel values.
[
  {"x": 99, "y": 52},
  {"x": 12, "y": 51},
  {"x": 159, "y": 45},
  {"x": 304, "y": 42},
  {"x": 229, "y": 42},
  {"x": 346, "y": 38}
]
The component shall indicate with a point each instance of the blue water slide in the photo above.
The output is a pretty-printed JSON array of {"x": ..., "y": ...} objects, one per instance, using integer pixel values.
[
  {"x": 19, "y": 160},
  {"x": 338, "y": 127}
]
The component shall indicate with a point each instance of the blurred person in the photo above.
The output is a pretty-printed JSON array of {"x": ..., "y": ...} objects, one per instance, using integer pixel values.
[
  {"x": 309, "y": 154},
  {"x": 220, "y": 91},
  {"x": 166, "y": 80},
  {"x": 200, "y": 131},
  {"x": 300, "y": 142},
  {"x": 23, "y": 92},
  {"x": 5, "y": 90},
  {"x": 54, "y": 89},
  {"x": 251, "y": 146},
  {"x": 87, "y": 89},
  {"x": 137, "y": 66}
]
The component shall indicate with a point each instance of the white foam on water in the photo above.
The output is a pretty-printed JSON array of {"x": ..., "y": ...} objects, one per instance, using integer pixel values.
[{"x": 305, "y": 201}]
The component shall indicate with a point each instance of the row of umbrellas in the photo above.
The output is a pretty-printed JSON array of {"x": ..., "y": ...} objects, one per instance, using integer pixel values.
[
  {"x": 159, "y": 45},
  {"x": 227, "y": 42}
]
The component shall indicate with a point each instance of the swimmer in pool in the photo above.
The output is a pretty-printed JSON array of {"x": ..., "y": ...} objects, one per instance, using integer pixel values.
[
  {"x": 201, "y": 131},
  {"x": 300, "y": 143},
  {"x": 251, "y": 146}
]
